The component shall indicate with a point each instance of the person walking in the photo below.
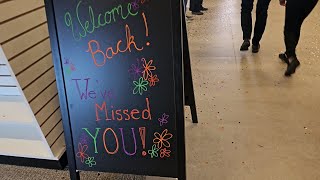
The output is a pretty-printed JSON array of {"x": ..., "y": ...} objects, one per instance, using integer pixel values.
[
  {"x": 260, "y": 24},
  {"x": 196, "y": 6},
  {"x": 296, "y": 12}
]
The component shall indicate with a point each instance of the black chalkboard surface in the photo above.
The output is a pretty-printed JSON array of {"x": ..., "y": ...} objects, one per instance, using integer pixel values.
[{"x": 119, "y": 70}]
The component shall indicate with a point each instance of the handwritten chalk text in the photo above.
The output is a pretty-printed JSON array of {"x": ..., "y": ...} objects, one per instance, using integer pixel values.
[
  {"x": 109, "y": 113},
  {"x": 89, "y": 94},
  {"x": 110, "y": 139},
  {"x": 96, "y": 21},
  {"x": 95, "y": 50}
]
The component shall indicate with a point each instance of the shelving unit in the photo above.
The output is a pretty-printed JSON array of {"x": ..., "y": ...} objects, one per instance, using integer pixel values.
[{"x": 30, "y": 119}]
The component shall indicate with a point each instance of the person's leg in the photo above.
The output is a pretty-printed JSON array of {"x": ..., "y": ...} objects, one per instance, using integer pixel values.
[
  {"x": 306, "y": 10},
  {"x": 246, "y": 18},
  {"x": 293, "y": 22},
  {"x": 261, "y": 21},
  {"x": 246, "y": 23},
  {"x": 192, "y": 5},
  {"x": 201, "y": 6},
  {"x": 296, "y": 13},
  {"x": 195, "y": 7}
]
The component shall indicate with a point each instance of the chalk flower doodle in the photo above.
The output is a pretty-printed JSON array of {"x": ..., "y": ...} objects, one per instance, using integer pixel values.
[
  {"x": 153, "y": 80},
  {"x": 154, "y": 151},
  {"x": 83, "y": 139},
  {"x": 164, "y": 119},
  {"x": 135, "y": 70},
  {"x": 147, "y": 68},
  {"x": 110, "y": 94},
  {"x": 135, "y": 4},
  {"x": 66, "y": 61},
  {"x": 70, "y": 67},
  {"x": 164, "y": 153},
  {"x": 140, "y": 86},
  {"x": 68, "y": 71},
  {"x": 90, "y": 161},
  {"x": 162, "y": 139},
  {"x": 144, "y": 1},
  {"x": 82, "y": 152}
]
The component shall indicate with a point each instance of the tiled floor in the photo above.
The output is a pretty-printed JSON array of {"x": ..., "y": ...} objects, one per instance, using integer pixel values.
[{"x": 255, "y": 124}]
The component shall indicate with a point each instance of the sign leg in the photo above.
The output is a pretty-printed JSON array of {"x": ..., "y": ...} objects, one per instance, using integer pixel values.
[
  {"x": 188, "y": 83},
  {"x": 74, "y": 175},
  {"x": 182, "y": 177}
]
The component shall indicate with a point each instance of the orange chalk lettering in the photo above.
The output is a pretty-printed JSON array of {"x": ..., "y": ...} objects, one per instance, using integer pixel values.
[
  {"x": 133, "y": 112},
  {"x": 104, "y": 141},
  {"x": 146, "y": 114},
  {"x": 101, "y": 108},
  {"x": 145, "y": 24},
  {"x": 93, "y": 53},
  {"x": 119, "y": 118},
  {"x": 94, "y": 48},
  {"x": 125, "y": 112},
  {"x": 130, "y": 40}
]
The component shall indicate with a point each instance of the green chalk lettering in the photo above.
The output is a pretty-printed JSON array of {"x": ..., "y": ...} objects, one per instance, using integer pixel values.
[{"x": 93, "y": 137}]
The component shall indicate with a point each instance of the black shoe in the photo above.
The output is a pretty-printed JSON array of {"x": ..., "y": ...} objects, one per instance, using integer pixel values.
[
  {"x": 245, "y": 45},
  {"x": 255, "y": 49},
  {"x": 292, "y": 66},
  {"x": 203, "y": 9},
  {"x": 197, "y": 13},
  {"x": 284, "y": 58}
]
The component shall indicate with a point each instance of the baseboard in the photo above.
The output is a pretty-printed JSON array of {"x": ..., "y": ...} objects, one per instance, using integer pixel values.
[{"x": 39, "y": 163}]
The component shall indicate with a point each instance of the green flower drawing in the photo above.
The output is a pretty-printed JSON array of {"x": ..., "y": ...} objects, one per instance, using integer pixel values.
[
  {"x": 68, "y": 71},
  {"x": 90, "y": 161},
  {"x": 154, "y": 151},
  {"x": 140, "y": 86}
]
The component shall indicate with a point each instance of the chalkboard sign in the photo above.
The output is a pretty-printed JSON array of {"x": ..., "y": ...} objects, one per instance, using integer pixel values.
[{"x": 119, "y": 70}]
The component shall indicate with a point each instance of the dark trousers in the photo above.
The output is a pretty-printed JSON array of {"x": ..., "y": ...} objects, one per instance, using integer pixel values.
[
  {"x": 261, "y": 19},
  {"x": 296, "y": 13},
  {"x": 195, "y": 5}
]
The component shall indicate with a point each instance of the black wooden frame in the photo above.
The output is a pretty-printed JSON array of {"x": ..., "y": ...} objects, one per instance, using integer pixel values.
[
  {"x": 179, "y": 42},
  {"x": 74, "y": 174},
  {"x": 179, "y": 84}
]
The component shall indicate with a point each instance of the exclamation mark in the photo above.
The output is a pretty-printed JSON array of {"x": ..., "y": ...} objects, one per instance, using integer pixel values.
[
  {"x": 146, "y": 26},
  {"x": 142, "y": 131}
]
